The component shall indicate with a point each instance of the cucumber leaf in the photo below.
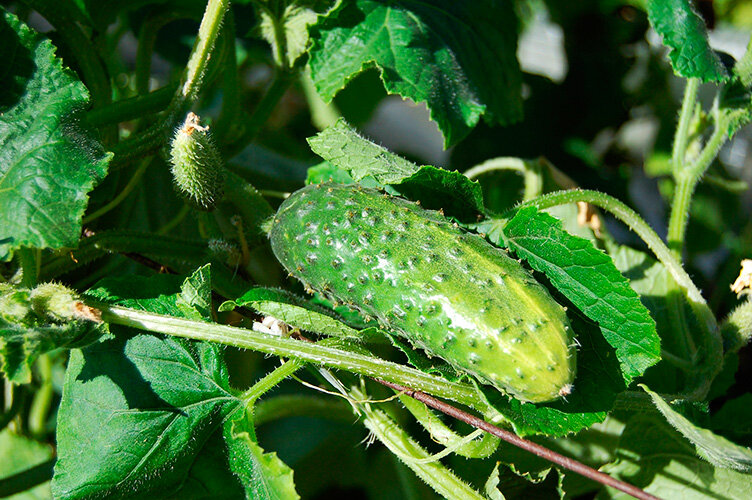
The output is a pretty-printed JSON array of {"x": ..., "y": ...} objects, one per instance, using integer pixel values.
[
  {"x": 657, "y": 459},
  {"x": 48, "y": 162},
  {"x": 588, "y": 278},
  {"x": 684, "y": 33},
  {"x": 457, "y": 57},
  {"x": 149, "y": 414},
  {"x": 267, "y": 477},
  {"x": 716, "y": 449}
]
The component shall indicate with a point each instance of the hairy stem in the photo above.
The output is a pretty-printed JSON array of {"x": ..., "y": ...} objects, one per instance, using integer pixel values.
[
  {"x": 270, "y": 380},
  {"x": 441, "y": 479},
  {"x": 290, "y": 348},
  {"x": 681, "y": 137},
  {"x": 132, "y": 108},
  {"x": 202, "y": 49}
]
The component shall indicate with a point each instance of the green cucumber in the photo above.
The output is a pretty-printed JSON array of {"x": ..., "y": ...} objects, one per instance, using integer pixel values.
[{"x": 447, "y": 291}]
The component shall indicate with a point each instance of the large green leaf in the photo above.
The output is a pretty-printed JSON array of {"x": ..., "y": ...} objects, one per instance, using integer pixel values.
[
  {"x": 656, "y": 458},
  {"x": 717, "y": 450},
  {"x": 683, "y": 31},
  {"x": 146, "y": 414},
  {"x": 457, "y": 57},
  {"x": 48, "y": 163},
  {"x": 589, "y": 279}
]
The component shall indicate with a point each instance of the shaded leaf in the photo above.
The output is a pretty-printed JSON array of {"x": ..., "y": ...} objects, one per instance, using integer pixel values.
[
  {"x": 736, "y": 95},
  {"x": 18, "y": 453},
  {"x": 264, "y": 475},
  {"x": 589, "y": 279},
  {"x": 717, "y": 450},
  {"x": 48, "y": 163},
  {"x": 458, "y": 58},
  {"x": 656, "y": 458},
  {"x": 684, "y": 33}
]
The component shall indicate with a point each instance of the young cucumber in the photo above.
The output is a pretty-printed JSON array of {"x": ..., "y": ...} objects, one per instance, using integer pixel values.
[{"x": 448, "y": 292}]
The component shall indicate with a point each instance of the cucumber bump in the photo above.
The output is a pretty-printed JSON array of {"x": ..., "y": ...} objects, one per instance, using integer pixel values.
[{"x": 447, "y": 291}]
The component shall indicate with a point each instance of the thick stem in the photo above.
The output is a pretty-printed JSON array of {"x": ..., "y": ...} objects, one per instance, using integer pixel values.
[
  {"x": 42, "y": 402},
  {"x": 289, "y": 348},
  {"x": 26, "y": 479},
  {"x": 685, "y": 188}
]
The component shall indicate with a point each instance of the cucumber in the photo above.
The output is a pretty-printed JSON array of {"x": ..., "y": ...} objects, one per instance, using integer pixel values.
[{"x": 447, "y": 291}]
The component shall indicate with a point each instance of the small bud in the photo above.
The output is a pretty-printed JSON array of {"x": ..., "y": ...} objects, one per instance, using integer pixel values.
[
  {"x": 54, "y": 301},
  {"x": 197, "y": 165}
]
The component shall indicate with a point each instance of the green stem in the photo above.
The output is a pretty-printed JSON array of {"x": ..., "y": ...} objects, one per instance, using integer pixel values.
[
  {"x": 29, "y": 262},
  {"x": 685, "y": 188},
  {"x": 270, "y": 381},
  {"x": 132, "y": 183},
  {"x": 681, "y": 137},
  {"x": 399, "y": 442},
  {"x": 289, "y": 348},
  {"x": 202, "y": 48},
  {"x": 26, "y": 479},
  {"x": 230, "y": 111},
  {"x": 442, "y": 434},
  {"x": 42, "y": 402},
  {"x": 17, "y": 396},
  {"x": 686, "y": 181},
  {"x": 120, "y": 241},
  {"x": 151, "y": 139},
  {"x": 131, "y": 108}
]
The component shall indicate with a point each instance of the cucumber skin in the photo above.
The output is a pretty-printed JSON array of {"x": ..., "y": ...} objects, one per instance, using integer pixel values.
[{"x": 448, "y": 292}]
